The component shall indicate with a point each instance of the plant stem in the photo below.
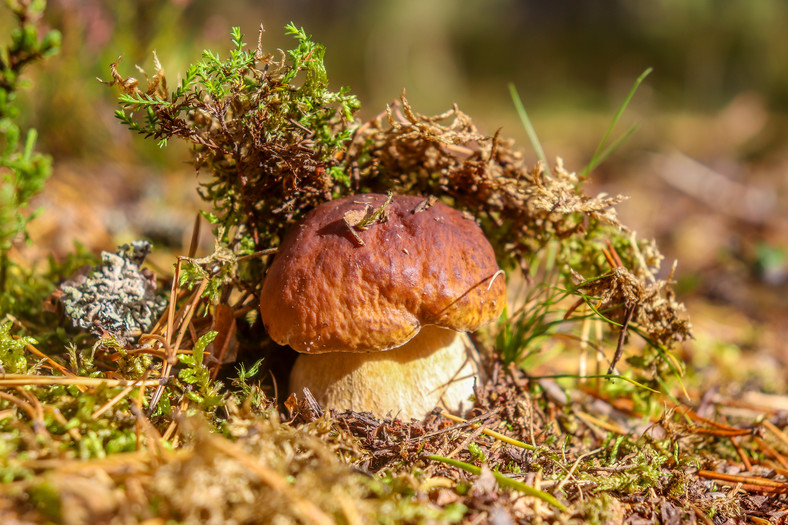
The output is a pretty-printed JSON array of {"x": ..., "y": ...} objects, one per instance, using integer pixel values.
[
  {"x": 504, "y": 481},
  {"x": 3, "y": 271}
]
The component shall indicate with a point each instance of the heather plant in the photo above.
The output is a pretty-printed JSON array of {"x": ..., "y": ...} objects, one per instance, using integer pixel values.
[{"x": 267, "y": 129}]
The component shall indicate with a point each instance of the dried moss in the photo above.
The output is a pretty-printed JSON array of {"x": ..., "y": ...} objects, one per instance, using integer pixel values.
[
  {"x": 520, "y": 208},
  {"x": 269, "y": 472}
]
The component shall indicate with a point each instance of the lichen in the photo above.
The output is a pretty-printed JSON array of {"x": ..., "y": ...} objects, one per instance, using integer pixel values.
[{"x": 116, "y": 297}]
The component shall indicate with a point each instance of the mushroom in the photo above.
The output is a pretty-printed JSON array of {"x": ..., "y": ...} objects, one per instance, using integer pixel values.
[{"x": 375, "y": 293}]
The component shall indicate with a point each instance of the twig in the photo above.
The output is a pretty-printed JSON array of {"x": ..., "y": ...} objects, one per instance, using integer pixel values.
[
  {"x": 28, "y": 380},
  {"x": 465, "y": 442},
  {"x": 755, "y": 484},
  {"x": 776, "y": 431},
  {"x": 261, "y": 253},
  {"x": 173, "y": 351},
  {"x": 112, "y": 402},
  {"x": 721, "y": 432},
  {"x": 740, "y": 452},
  {"x": 614, "y": 253},
  {"x": 462, "y": 424},
  {"x": 574, "y": 467},
  {"x": 630, "y": 310},
  {"x": 771, "y": 452},
  {"x": 61, "y": 419},
  {"x": 21, "y": 403},
  {"x": 612, "y": 427},
  {"x": 54, "y": 364},
  {"x": 195, "y": 240}
]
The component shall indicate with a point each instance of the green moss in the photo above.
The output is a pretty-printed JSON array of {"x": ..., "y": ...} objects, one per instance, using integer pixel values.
[
  {"x": 46, "y": 498},
  {"x": 601, "y": 509},
  {"x": 13, "y": 356}
]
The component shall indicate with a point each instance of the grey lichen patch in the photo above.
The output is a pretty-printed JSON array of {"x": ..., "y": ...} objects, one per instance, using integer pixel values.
[{"x": 116, "y": 297}]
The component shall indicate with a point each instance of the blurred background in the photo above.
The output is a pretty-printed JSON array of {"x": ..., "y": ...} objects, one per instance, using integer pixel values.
[{"x": 706, "y": 169}]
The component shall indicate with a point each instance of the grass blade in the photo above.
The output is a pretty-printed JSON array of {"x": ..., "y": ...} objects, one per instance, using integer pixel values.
[
  {"x": 491, "y": 433},
  {"x": 598, "y": 376},
  {"x": 529, "y": 128},
  {"x": 597, "y": 157},
  {"x": 503, "y": 481}
]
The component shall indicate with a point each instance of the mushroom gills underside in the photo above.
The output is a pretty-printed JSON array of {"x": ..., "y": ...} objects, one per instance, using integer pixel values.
[{"x": 438, "y": 367}]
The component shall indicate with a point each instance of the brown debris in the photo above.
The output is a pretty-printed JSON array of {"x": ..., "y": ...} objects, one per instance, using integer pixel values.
[
  {"x": 445, "y": 155},
  {"x": 621, "y": 295}
]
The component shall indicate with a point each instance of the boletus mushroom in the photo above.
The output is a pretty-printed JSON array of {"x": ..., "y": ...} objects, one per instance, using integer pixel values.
[{"x": 375, "y": 292}]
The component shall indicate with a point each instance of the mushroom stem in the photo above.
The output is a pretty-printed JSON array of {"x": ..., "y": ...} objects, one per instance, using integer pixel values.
[{"x": 438, "y": 367}]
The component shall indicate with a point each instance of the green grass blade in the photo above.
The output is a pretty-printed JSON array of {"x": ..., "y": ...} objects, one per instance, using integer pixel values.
[
  {"x": 598, "y": 376},
  {"x": 504, "y": 481},
  {"x": 30, "y": 143},
  {"x": 599, "y": 159},
  {"x": 529, "y": 128},
  {"x": 596, "y": 311},
  {"x": 595, "y": 159}
]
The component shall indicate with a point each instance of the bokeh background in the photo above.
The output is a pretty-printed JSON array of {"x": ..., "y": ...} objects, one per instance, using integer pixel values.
[{"x": 706, "y": 169}]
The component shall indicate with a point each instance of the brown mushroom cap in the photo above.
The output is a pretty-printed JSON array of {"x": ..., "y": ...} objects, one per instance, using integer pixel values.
[{"x": 326, "y": 292}]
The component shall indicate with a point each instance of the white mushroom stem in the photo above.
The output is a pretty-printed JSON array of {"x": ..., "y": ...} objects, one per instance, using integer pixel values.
[{"x": 438, "y": 367}]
